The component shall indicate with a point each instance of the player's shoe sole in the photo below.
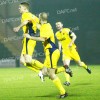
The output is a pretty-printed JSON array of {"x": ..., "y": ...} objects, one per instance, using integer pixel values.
[
  {"x": 88, "y": 70},
  {"x": 63, "y": 96},
  {"x": 66, "y": 83},
  {"x": 68, "y": 71}
]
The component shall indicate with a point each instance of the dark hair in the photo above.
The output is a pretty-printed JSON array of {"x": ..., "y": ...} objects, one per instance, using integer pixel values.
[{"x": 25, "y": 4}]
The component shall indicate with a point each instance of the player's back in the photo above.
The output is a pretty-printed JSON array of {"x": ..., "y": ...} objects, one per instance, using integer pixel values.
[{"x": 46, "y": 31}]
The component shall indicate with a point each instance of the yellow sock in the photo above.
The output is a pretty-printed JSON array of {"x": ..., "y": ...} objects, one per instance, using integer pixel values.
[
  {"x": 36, "y": 64},
  {"x": 60, "y": 69},
  {"x": 31, "y": 67},
  {"x": 59, "y": 85},
  {"x": 67, "y": 77},
  {"x": 83, "y": 65}
]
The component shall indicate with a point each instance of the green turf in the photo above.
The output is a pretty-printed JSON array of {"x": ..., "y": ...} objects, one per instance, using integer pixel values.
[{"x": 24, "y": 84}]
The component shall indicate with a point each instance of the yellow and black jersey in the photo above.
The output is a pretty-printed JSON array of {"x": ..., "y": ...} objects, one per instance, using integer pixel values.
[
  {"x": 31, "y": 26},
  {"x": 64, "y": 37}
]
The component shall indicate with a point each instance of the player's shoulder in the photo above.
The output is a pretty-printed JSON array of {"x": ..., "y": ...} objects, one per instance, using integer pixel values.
[
  {"x": 66, "y": 29},
  {"x": 47, "y": 26},
  {"x": 34, "y": 16},
  {"x": 28, "y": 14},
  {"x": 57, "y": 33}
]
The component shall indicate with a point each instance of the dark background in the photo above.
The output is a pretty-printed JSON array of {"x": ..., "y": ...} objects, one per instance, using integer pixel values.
[{"x": 82, "y": 16}]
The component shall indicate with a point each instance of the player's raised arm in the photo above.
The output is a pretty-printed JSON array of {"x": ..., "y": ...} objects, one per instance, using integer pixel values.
[{"x": 73, "y": 36}]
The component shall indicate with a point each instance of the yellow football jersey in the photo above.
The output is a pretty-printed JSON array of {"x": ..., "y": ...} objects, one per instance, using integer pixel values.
[
  {"x": 64, "y": 37},
  {"x": 47, "y": 33},
  {"x": 31, "y": 26},
  {"x": 50, "y": 48}
]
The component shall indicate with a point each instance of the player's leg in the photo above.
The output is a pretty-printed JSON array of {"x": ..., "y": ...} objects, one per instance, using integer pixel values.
[
  {"x": 66, "y": 57},
  {"x": 67, "y": 76},
  {"x": 22, "y": 57},
  {"x": 22, "y": 61},
  {"x": 26, "y": 54},
  {"x": 66, "y": 61},
  {"x": 44, "y": 71},
  {"x": 65, "y": 68},
  {"x": 59, "y": 70},
  {"x": 47, "y": 60},
  {"x": 37, "y": 65},
  {"x": 76, "y": 57},
  {"x": 62, "y": 69},
  {"x": 57, "y": 82},
  {"x": 82, "y": 64},
  {"x": 54, "y": 59},
  {"x": 30, "y": 45},
  {"x": 29, "y": 48}
]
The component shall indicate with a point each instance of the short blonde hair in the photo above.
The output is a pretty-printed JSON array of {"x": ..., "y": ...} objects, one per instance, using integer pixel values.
[{"x": 43, "y": 16}]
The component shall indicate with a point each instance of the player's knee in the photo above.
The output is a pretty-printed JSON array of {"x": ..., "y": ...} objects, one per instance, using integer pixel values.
[
  {"x": 28, "y": 59},
  {"x": 51, "y": 74},
  {"x": 22, "y": 60},
  {"x": 45, "y": 71}
]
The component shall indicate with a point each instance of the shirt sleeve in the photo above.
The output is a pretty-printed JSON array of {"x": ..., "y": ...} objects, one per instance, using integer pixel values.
[
  {"x": 67, "y": 30},
  {"x": 26, "y": 16},
  {"x": 35, "y": 19},
  {"x": 30, "y": 17}
]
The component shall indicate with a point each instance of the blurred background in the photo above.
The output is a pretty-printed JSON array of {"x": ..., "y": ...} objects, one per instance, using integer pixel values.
[{"x": 81, "y": 16}]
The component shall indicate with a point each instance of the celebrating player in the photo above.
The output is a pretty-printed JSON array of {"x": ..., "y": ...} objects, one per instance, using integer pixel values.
[
  {"x": 66, "y": 39},
  {"x": 51, "y": 52},
  {"x": 28, "y": 24}
]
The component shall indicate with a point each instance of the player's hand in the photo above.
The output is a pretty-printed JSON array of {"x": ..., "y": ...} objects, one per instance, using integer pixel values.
[
  {"x": 27, "y": 36},
  {"x": 16, "y": 29}
]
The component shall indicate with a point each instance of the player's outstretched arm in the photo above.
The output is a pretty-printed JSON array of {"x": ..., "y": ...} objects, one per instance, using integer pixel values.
[
  {"x": 16, "y": 29},
  {"x": 34, "y": 38}
]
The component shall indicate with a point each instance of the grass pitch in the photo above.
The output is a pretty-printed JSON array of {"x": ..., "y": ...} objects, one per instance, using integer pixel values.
[{"x": 24, "y": 84}]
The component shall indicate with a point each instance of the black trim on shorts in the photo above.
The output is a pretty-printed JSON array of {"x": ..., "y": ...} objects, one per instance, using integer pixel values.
[
  {"x": 31, "y": 31},
  {"x": 27, "y": 45},
  {"x": 51, "y": 50}
]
